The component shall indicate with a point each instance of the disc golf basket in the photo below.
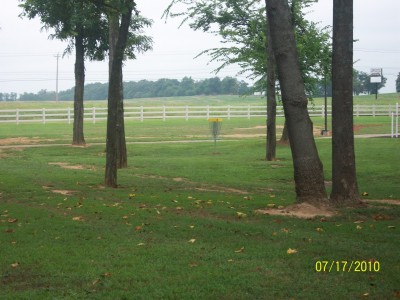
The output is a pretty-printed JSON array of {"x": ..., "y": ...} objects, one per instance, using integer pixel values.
[{"x": 215, "y": 125}]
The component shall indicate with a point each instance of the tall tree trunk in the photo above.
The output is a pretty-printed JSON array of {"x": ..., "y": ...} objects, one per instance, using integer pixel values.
[
  {"x": 271, "y": 100},
  {"x": 114, "y": 94},
  {"x": 344, "y": 179},
  {"x": 122, "y": 157},
  {"x": 77, "y": 136},
  {"x": 308, "y": 171}
]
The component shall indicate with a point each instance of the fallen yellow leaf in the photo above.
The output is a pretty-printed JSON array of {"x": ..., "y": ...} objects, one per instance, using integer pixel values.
[
  {"x": 79, "y": 218},
  {"x": 319, "y": 229},
  {"x": 241, "y": 250},
  {"x": 241, "y": 215},
  {"x": 192, "y": 241},
  {"x": 15, "y": 265},
  {"x": 291, "y": 251}
]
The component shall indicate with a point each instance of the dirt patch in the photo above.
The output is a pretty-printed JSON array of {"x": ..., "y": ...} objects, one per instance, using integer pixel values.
[
  {"x": 23, "y": 141},
  {"x": 384, "y": 201},
  {"x": 357, "y": 128},
  {"x": 244, "y": 135},
  {"x": 220, "y": 189},
  {"x": 63, "y": 192},
  {"x": 302, "y": 210},
  {"x": 72, "y": 167}
]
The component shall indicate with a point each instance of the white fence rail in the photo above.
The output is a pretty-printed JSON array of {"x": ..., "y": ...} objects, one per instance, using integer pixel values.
[{"x": 142, "y": 113}]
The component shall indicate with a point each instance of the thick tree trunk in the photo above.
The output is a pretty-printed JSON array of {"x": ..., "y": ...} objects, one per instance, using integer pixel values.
[
  {"x": 344, "y": 179},
  {"x": 114, "y": 95},
  {"x": 308, "y": 172},
  {"x": 122, "y": 157},
  {"x": 78, "y": 136},
  {"x": 271, "y": 101}
]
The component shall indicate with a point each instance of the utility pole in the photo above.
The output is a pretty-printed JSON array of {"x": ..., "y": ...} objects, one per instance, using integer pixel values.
[{"x": 57, "y": 56}]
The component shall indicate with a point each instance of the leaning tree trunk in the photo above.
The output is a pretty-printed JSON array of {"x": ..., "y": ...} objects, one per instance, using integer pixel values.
[
  {"x": 271, "y": 100},
  {"x": 77, "y": 136},
  {"x": 344, "y": 179},
  {"x": 308, "y": 171},
  {"x": 122, "y": 157},
  {"x": 114, "y": 93}
]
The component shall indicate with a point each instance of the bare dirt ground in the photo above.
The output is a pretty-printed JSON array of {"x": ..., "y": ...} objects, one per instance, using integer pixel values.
[
  {"x": 302, "y": 210},
  {"x": 72, "y": 167},
  {"x": 308, "y": 211},
  {"x": 23, "y": 141}
]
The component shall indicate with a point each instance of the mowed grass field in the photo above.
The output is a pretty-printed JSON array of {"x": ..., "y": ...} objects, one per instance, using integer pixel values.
[
  {"x": 383, "y": 99},
  {"x": 183, "y": 223}
]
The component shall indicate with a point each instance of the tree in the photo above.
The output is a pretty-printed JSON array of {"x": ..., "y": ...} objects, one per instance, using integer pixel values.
[
  {"x": 398, "y": 83},
  {"x": 308, "y": 170},
  {"x": 271, "y": 97},
  {"x": 115, "y": 125},
  {"x": 344, "y": 179},
  {"x": 80, "y": 23}
]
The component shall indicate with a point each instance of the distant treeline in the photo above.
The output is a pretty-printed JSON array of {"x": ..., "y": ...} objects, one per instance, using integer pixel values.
[{"x": 150, "y": 89}]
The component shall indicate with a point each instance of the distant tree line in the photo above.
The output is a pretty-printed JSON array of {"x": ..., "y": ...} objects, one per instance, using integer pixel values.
[{"x": 149, "y": 89}]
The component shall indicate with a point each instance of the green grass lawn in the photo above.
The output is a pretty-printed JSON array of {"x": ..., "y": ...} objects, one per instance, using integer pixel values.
[{"x": 172, "y": 230}]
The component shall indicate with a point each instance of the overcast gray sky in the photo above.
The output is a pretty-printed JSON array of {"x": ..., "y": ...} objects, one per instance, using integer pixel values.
[{"x": 28, "y": 63}]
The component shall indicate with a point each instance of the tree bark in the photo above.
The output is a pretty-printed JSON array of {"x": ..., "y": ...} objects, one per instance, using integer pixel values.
[
  {"x": 344, "y": 179},
  {"x": 308, "y": 171},
  {"x": 285, "y": 135},
  {"x": 271, "y": 100},
  {"x": 114, "y": 94},
  {"x": 78, "y": 136},
  {"x": 122, "y": 157}
]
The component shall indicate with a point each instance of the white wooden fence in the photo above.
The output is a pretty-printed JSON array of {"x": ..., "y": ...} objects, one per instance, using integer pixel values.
[{"x": 142, "y": 113}]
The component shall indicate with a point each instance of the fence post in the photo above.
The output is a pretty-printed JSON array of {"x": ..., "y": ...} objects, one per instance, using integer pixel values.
[
  {"x": 141, "y": 114},
  {"x": 187, "y": 112},
  {"x": 357, "y": 110},
  {"x": 392, "y": 127},
  {"x": 248, "y": 111},
  {"x": 323, "y": 108},
  {"x": 208, "y": 112},
  {"x": 93, "y": 114},
  {"x": 397, "y": 120},
  {"x": 163, "y": 112},
  {"x": 373, "y": 110},
  {"x": 69, "y": 115},
  {"x": 17, "y": 116},
  {"x": 229, "y": 112},
  {"x": 44, "y": 116}
]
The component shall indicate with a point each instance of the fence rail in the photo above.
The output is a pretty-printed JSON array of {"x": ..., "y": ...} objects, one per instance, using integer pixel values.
[{"x": 142, "y": 113}]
